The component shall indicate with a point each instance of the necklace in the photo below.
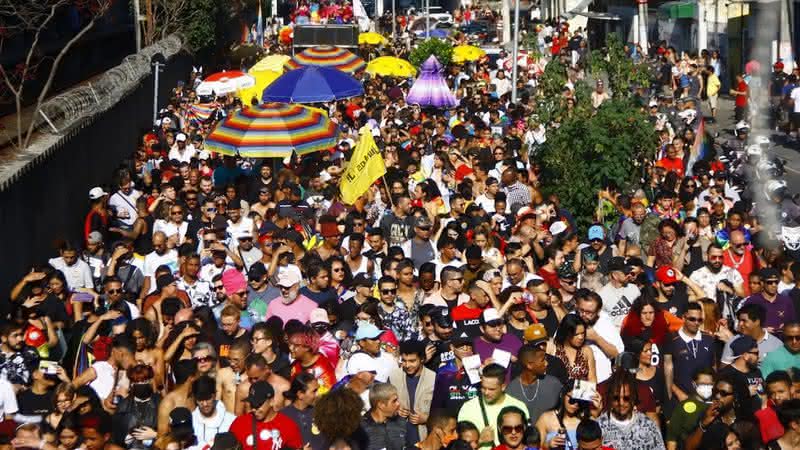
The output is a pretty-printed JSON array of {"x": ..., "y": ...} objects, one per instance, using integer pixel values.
[
  {"x": 736, "y": 264},
  {"x": 525, "y": 395}
]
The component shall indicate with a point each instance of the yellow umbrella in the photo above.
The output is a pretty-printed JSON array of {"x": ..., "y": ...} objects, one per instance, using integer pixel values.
[
  {"x": 263, "y": 79},
  {"x": 463, "y": 53},
  {"x": 371, "y": 38},
  {"x": 272, "y": 63},
  {"x": 390, "y": 66}
]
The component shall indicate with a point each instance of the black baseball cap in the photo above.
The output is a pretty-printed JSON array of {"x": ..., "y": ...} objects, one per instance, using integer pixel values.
[{"x": 260, "y": 391}]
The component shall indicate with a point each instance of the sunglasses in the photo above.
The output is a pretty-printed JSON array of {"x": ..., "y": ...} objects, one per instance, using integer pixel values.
[
  {"x": 211, "y": 209},
  {"x": 623, "y": 398},
  {"x": 771, "y": 282},
  {"x": 516, "y": 429},
  {"x": 388, "y": 291},
  {"x": 114, "y": 291},
  {"x": 693, "y": 319},
  {"x": 721, "y": 393},
  {"x": 338, "y": 269},
  {"x": 203, "y": 359}
]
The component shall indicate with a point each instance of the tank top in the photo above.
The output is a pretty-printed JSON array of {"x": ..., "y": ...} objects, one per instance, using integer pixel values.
[{"x": 577, "y": 371}]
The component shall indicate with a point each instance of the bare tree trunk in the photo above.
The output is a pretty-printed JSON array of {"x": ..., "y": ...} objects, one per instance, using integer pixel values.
[{"x": 51, "y": 76}]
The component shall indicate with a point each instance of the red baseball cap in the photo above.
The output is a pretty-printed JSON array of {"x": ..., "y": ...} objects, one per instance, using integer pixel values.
[{"x": 666, "y": 275}]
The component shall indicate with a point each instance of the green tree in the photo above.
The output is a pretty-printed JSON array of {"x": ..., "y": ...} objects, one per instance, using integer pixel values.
[
  {"x": 587, "y": 148},
  {"x": 443, "y": 51},
  {"x": 623, "y": 74},
  {"x": 201, "y": 28}
]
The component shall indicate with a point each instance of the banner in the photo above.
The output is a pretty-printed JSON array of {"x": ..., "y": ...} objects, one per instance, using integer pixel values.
[{"x": 366, "y": 166}]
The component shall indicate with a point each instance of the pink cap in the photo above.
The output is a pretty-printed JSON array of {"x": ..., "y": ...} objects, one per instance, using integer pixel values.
[{"x": 233, "y": 281}]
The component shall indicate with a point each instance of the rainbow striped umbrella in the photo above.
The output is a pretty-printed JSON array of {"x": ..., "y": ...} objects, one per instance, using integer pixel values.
[
  {"x": 327, "y": 56},
  {"x": 271, "y": 130}
]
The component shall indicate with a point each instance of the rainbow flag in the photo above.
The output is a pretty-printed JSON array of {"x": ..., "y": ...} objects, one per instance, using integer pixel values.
[
  {"x": 202, "y": 111},
  {"x": 701, "y": 146}
]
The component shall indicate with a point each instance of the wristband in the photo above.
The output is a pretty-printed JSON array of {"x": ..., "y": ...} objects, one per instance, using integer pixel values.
[{"x": 701, "y": 427}]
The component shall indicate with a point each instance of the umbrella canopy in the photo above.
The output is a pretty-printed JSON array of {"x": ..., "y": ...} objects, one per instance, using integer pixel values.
[
  {"x": 464, "y": 53},
  {"x": 430, "y": 89},
  {"x": 263, "y": 78},
  {"x": 273, "y": 130},
  {"x": 326, "y": 56},
  {"x": 312, "y": 84},
  {"x": 371, "y": 38},
  {"x": 390, "y": 66},
  {"x": 272, "y": 63},
  {"x": 224, "y": 82}
]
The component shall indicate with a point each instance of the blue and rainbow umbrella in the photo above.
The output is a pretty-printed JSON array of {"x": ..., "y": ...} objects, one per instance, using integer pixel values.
[{"x": 273, "y": 130}]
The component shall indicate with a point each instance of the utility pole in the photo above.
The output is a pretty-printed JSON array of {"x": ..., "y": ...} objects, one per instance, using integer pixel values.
[
  {"x": 394, "y": 20},
  {"x": 702, "y": 27},
  {"x": 427, "y": 19},
  {"x": 515, "y": 54},
  {"x": 158, "y": 62},
  {"x": 506, "y": 21}
]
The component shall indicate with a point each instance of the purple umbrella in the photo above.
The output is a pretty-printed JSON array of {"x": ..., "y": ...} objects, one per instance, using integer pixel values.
[{"x": 430, "y": 89}]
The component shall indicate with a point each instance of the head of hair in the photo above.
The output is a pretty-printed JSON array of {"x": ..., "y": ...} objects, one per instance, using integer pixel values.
[
  {"x": 567, "y": 328},
  {"x": 413, "y": 347},
  {"x": 299, "y": 384},
  {"x": 306, "y": 337},
  {"x": 789, "y": 412},
  {"x": 122, "y": 342},
  {"x": 778, "y": 376},
  {"x": 140, "y": 373},
  {"x": 619, "y": 379},
  {"x": 510, "y": 410},
  {"x": 203, "y": 386},
  {"x": 145, "y": 327},
  {"x": 255, "y": 360},
  {"x": 337, "y": 414},
  {"x": 754, "y": 312},
  {"x": 381, "y": 392},
  {"x": 589, "y": 431},
  {"x": 464, "y": 426},
  {"x": 439, "y": 418},
  {"x": 495, "y": 371},
  {"x": 183, "y": 370}
]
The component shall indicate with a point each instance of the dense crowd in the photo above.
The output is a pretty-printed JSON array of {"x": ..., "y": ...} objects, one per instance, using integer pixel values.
[{"x": 229, "y": 303}]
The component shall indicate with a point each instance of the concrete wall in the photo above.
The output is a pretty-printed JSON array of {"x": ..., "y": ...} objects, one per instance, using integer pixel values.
[{"x": 49, "y": 200}]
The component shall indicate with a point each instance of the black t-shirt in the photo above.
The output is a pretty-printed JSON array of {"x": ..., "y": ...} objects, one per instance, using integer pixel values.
[
  {"x": 442, "y": 355},
  {"x": 281, "y": 365},
  {"x": 677, "y": 303},
  {"x": 347, "y": 310},
  {"x": 224, "y": 341},
  {"x": 33, "y": 405},
  {"x": 743, "y": 381}
]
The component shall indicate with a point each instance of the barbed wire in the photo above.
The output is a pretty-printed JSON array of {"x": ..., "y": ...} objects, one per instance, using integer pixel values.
[{"x": 68, "y": 109}]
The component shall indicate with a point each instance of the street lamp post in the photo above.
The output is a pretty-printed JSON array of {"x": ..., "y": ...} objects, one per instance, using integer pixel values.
[
  {"x": 515, "y": 54},
  {"x": 158, "y": 62}
]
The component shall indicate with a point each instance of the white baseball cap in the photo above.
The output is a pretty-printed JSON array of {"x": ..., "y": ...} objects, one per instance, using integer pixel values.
[
  {"x": 96, "y": 193},
  {"x": 361, "y": 362}
]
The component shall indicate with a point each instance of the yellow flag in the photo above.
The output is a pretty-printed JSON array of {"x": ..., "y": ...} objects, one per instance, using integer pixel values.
[{"x": 366, "y": 166}]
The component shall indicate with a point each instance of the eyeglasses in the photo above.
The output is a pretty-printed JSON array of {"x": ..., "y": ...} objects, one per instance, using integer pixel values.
[
  {"x": 693, "y": 319},
  {"x": 204, "y": 359},
  {"x": 211, "y": 209},
  {"x": 792, "y": 337},
  {"x": 721, "y": 393},
  {"x": 516, "y": 429},
  {"x": 388, "y": 291},
  {"x": 114, "y": 291}
]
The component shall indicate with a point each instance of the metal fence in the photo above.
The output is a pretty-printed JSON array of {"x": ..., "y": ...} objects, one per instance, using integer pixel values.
[{"x": 68, "y": 109}]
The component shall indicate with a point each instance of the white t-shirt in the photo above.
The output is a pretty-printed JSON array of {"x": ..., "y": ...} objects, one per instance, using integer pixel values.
[
  {"x": 8, "y": 400},
  {"x": 125, "y": 204},
  {"x": 151, "y": 262},
  {"x": 171, "y": 228},
  {"x": 617, "y": 301},
  {"x": 795, "y": 95},
  {"x": 78, "y": 275}
]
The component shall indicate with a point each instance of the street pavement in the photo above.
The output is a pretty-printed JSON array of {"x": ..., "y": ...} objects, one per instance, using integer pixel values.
[{"x": 782, "y": 147}]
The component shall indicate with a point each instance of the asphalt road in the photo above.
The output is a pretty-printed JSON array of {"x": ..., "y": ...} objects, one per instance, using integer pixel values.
[{"x": 782, "y": 147}]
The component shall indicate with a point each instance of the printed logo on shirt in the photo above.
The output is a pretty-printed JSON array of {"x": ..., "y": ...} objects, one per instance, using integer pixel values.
[{"x": 621, "y": 308}]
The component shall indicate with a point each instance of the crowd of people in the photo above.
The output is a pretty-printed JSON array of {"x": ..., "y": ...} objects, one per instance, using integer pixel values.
[{"x": 219, "y": 302}]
